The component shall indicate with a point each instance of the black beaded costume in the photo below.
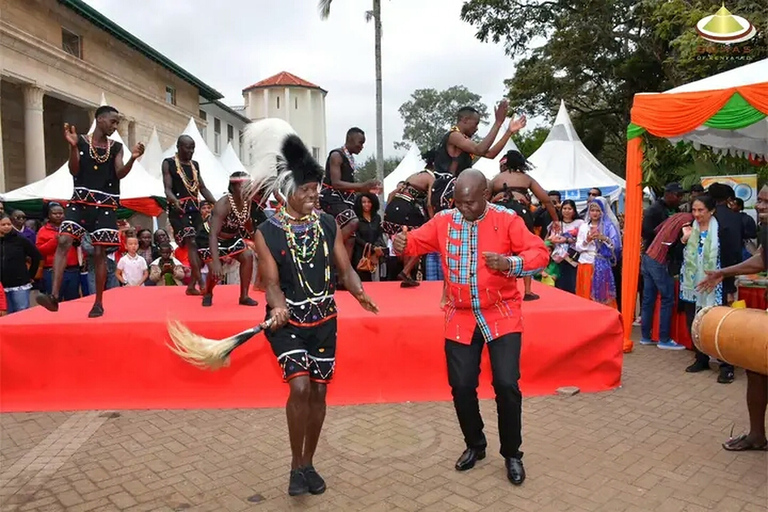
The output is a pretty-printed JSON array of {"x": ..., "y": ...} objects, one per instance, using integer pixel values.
[
  {"x": 186, "y": 189},
  {"x": 96, "y": 196},
  {"x": 339, "y": 203}
]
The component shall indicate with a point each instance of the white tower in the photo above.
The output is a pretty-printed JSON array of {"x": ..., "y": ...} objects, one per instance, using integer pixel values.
[{"x": 298, "y": 102}]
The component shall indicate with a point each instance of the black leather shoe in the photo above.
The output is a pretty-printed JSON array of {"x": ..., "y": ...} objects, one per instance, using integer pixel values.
[
  {"x": 515, "y": 470},
  {"x": 298, "y": 483},
  {"x": 469, "y": 458}
]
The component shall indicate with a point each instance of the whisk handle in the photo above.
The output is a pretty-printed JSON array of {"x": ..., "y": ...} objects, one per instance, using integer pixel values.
[{"x": 250, "y": 333}]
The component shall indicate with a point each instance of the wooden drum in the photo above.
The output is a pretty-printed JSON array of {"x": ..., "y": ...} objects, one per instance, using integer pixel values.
[{"x": 737, "y": 336}]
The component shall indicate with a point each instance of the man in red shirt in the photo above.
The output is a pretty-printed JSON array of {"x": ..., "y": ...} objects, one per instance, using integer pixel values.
[{"x": 484, "y": 248}]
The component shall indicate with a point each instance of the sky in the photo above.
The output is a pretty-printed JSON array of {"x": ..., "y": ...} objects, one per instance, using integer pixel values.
[{"x": 231, "y": 44}]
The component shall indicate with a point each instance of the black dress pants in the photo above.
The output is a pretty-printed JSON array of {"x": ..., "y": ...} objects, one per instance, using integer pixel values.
[{"x": 463, "y": 377}]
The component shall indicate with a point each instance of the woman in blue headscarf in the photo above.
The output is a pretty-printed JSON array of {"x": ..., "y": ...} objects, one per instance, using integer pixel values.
[{"x": 599, "y": 245}]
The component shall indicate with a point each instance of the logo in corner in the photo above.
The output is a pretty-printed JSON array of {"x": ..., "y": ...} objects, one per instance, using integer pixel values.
[{"x": 725, "y": 28}]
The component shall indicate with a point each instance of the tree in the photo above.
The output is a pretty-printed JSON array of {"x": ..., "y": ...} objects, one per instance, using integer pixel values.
[
  {"x": 530, "y": 141},
  {"x": 367, "y": 171},
  {"x": 597, "y": 54},
  {"x": 375, "y": 15},
  {"x": 429, "y": 114}
]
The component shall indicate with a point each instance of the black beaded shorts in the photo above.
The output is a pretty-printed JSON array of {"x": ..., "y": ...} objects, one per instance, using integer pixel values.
[
  {"x": 229, "y": 247},
  {"x": 402, "y": 211},
  {"x": 305, "y": 350},
  {"x": 99, "y": 222},
  {"x": 338, "y": 206},
  {"x": 185, "y": 225}
]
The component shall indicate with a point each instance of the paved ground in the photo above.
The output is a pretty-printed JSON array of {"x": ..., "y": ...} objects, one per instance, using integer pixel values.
[{"x": 652, "y": 445}]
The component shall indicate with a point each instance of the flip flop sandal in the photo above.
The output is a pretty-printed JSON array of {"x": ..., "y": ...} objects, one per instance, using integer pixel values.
[{"x": 739, "y": 444}]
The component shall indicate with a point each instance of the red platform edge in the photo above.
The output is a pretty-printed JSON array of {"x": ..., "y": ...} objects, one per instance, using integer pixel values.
[{"x": 66, "y": 361}]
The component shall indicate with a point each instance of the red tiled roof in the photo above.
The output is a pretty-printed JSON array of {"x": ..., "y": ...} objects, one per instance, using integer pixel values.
[{"x": 284, "y": 79}]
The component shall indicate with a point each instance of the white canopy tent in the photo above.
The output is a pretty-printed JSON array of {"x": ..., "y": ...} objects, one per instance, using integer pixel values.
[
  {"x": 411, "y": 164},
  {"x": 138, "y": 184},
  {"x": 213, "y": 173},
  {"x": 230, "y": 161},
  {"x": 490, "y": 167},
  {"x": 563, "y": 163},
  {"x": 750, "y": 140},
  {"x": 152, "y": 159}
]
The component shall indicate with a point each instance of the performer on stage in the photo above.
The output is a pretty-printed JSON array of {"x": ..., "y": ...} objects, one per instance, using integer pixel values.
[
  {"x": 512, "y": 178},
  {"x": 300, "y": 253},
  {"x": 340, "y": 189},
  {"x": 96, "y": 165},
  {"x": 408, "y": 206},
  {"x": 183, "y": 186},
  {"x": 757, "y": 384},
  {"x": 483, "y": 307},
  {"x": 457, "y": 150},
  {"x": 231, "y": 229}
]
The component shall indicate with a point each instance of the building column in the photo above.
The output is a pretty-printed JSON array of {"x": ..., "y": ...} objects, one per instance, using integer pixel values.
[
  {"x": 131, "y": 140},
  {"x": 311, "y": 125},
  {"x": 34, "y": 133},
  {"x": 2, "y": 155},
  {"x": 266, "y": 103},
  {"x": 287, "y": 105}
]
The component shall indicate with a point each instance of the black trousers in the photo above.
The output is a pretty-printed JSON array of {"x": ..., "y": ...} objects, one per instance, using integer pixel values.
[
  {"x": 463, "y": 375},
  {"x": 701, "y": 357}
]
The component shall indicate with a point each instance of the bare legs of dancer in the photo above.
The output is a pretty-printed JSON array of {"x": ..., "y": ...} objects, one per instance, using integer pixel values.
[
  {"x": 305, "y": 411},
  {"x": 194, "y": 263},
  {"x": 529, "y": 295},
  {"x": 348, "y": 232},
  {"x": 50, "y": 302},
  {"x": 757, "y": 400},
  {"x": 405, "y": 275},
  {"x": 245, "y": 259}
]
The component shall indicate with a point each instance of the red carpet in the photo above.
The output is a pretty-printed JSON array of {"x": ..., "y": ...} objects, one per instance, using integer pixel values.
[{"x": 66, "y": 361}]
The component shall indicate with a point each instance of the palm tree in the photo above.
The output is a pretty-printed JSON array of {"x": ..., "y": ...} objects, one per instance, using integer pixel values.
[{"x": 325, "y": 10}]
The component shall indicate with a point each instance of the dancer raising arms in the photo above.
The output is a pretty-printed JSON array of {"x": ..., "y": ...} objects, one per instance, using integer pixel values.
[
  {"x": 183, "y": 186},
  {"x": 512, "y": 178},
  {"x": 300, "y": 253},
  {"x": 96, "y": 165},
  {"x": 232, "y": 226}
]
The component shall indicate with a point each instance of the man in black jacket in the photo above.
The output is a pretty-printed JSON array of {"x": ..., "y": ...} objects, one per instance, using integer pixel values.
[
  {"x": 14, "y": 275},
  {"x": 660, "y": 211}
]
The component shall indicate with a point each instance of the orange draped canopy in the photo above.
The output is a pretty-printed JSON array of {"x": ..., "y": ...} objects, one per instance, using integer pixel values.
[{"x": 664, "y": 115}]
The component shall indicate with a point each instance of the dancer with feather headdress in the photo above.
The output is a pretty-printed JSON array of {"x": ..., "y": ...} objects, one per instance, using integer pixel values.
[{"x": 300, "y": 254}]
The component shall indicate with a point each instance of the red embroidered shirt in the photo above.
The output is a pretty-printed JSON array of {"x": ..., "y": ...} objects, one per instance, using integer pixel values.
[{"x": 477, "y": 295}]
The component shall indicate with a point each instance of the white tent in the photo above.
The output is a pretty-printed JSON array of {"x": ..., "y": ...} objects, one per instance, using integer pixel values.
[
  {"x": 563, "y": 163},
  {"x": 491, "y": 167},
  {"x": 214, "y": 175},
  {"x": 152, "y": 159},
  {"x": 230, "y": 161},
  {"x": 138, "y": 184},
  {"x": 410, "y": 164}
]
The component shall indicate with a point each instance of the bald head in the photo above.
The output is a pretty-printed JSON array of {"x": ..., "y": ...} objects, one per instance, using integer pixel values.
[
  {"x": 470, "y": 194},
  {"x": 185, "y": 146},
  {"x": 471, "y": 180}
]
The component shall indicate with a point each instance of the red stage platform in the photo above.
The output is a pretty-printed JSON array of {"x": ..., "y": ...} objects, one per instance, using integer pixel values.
[{"x": 65, "y": 361}]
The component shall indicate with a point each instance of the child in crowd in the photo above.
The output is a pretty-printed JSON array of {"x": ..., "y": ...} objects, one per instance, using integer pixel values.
[
  {"x": 132, "y": 268},
  {"x": 166, "y": 270}
]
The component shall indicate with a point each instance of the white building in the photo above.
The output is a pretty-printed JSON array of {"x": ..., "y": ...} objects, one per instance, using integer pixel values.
[
  {"x": 221, "y": 125},
  {"x": 296, "y": 101}
]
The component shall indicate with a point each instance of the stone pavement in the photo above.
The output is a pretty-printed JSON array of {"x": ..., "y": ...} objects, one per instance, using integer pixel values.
[{"x": 653, "y": 445}]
